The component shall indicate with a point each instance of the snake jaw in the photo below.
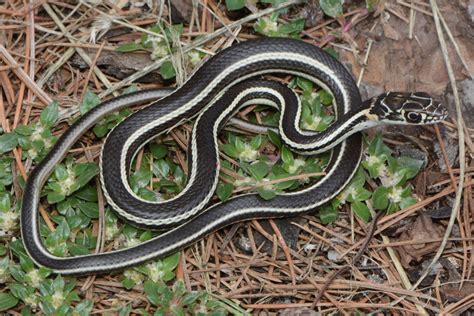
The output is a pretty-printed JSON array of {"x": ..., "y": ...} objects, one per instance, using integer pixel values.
[{"x": 371, "y": 116}]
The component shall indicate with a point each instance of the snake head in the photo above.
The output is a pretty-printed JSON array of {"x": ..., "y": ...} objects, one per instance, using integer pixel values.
[{"x": 407, "y": 108}]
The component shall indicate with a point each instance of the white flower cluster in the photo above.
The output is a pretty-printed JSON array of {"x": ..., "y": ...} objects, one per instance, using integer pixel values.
[
  {"x": 8, "y": 222},
  {"x": 155, "y": 273},
  {"x": 248, "y": 154},
  {"x": 67, "y": 183},
  {"x": 135, "y": 276}
]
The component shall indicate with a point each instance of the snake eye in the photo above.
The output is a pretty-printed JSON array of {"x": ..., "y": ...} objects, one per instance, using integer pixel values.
[{"x": 413, "y": 117}]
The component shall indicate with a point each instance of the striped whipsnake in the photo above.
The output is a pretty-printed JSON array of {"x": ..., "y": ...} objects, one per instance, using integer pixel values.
[{"x": 213, "y": 94}]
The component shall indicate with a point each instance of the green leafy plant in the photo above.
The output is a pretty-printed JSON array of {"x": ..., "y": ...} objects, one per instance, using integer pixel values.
[
  {"x": 7, "y": 301},
  {"x": 36, "y": 139},
  {"x": 57, "y": 296},
  {"x": 157, "y": 271},
  {"x": 269, "y": 26},
  {"x": 68, "y": 178},
  {"x": 178, "y": 301},
  {"x": 165, "y": 43},
  {"x": 106, "y": 124},
  {"x": 242, "y": 150},
  {"x": 381, "y": 166},
  {"x": 6, "y": 176},
  {"x": 235, "y": 4},
  {"x": 333, "y": 8},
  {"x": 8, "y": 141},
  {"x": 8, "y": 216}
]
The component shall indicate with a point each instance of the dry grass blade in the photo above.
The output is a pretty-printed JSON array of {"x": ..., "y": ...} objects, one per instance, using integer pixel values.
[
  {"x": 195, "y": 44},
  {"x": 462, "y": 157},
  {"x": 9, "y": 60},
  {"x": 79, "y": 50}
]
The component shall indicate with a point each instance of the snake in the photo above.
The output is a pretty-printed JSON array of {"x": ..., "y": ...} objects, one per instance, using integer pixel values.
[{"x": 228, "y": 81}]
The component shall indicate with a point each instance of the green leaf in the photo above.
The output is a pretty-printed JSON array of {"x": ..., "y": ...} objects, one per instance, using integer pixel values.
[
  {"x": 24, "y": 130},
  {"x": 61, "y": 173},
  {"x": 331, "y": 51},
  {"x": 171, "y": 262},
  {"x": 151, "y": 290},
  {"x": 8, "y": 142},
  {"x": 17, "y": 273},
  {"x": 191, "y": 297},
  {"x": 305, "y": 84},
  {"x": 146, "y": 235},
  {"x": 380, "y": 198},
  {"x": 128, "y": 284},
  {"x": 258, "y": 170},
  {"x": 90, "y": 209},
  {"x": 256, "y": 142},
  {"x": 100, "y": 130},
  {"x": 234, "y": 4},
  {"x": 63, "y": 230},
  {"x": 392, "y": 208},
  {"x": 54, "y": 197},
  {"x": 84, "y": 173},
  {"x": 224, "y": 191},
  {"x": 287, "y": 156},
  {"x": 274, "y": 138},
  {"x": 5, "y": 203},
  {"x": 361, "y": 210},
  {"x": 26, "y": 264},
  {"x": 239, "y": 144},
  {"x": 230, "y": 150},
  {"x": 325, "y": 97},
  {"x": 284, "y": 185},
  {"x": 77, "y": 250},
  {"x": 328, "y": 214},
  {"x": 408, "y": 201},
  {"x": 333, "y": 8},
  {"x": 158, "y": 151},
  {"x": 173, "y": 32},
  {"x": 378, "y": 148},
  {"x": 372, "y": 4},
  {"x": 78, "y": 221},
  {"x": 146, "y": 194},
  {"x": 160, "y": 168},
  {"x": 7, "y": 301},
  {"x": 363, "y": 194},
  {"x": 49, "y": 115},
  {"x": 265, "y": 193},
  {"x": 90, "y": 101},
  {"x": 167, "y": 70},
  {"x": 18, "y": 290},
  {"x": 129, "y": 47},
  {"x": 88, "y": 193},
  {"x": 17, "y": 247},
  {"x": 410, "y": 166},
  {"x": 295, "y": 26},
  {"x": 84, "y": 308}
]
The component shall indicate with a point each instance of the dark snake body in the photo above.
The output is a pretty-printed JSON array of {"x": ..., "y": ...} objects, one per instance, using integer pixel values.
[{"x": 284, "y": 56}]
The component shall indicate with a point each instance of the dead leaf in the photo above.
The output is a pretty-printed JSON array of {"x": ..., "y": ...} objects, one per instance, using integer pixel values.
[
  {"x": 422, "y": 229},
  {"x": 390, "y": 32}
]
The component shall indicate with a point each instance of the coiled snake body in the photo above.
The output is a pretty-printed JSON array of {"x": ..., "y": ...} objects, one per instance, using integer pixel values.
[{"x": 213, "y": 94}]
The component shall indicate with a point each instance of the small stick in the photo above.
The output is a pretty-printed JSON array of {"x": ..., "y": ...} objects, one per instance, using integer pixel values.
[
  {"x": 285, "y": 249},
  {"x": 9, "y": 60},
  {"x": 91, "y": 69}
]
